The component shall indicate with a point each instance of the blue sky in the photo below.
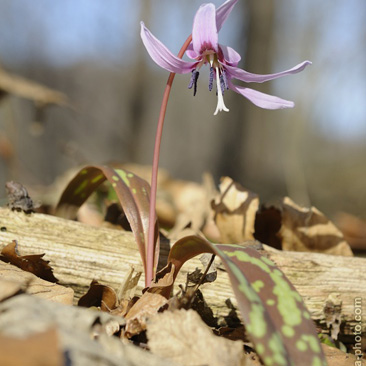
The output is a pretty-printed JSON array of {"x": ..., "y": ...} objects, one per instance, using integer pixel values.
[{"x": 62, "y": 33}]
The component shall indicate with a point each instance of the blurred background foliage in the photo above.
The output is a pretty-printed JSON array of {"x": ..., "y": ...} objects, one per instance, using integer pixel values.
[{"x": 91, "y": 51}]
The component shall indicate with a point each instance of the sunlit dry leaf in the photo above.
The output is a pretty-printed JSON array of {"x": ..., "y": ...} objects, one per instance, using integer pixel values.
[
  {"x": 101, "y": 296},
  {"x": 235, "y": 209},
  {"x": 128, "y": 288},
  {"x": 183, "y": 337},
  {"x": 353, "y": 229},
  {"x": 192, "y": 202},
  {"x": 37, "y": 350},
  {"x": 155, "y": 297},
  {"x": 24, "y": 281},
  {"x": 16, "y": 85},
  {"x": 308, "y": 230},
  {"x": 148, "y": 305},
  {"x": 9, "y": 288},
  {"x": 30, "y": 263},
  {"x": 336, "y": 357}
]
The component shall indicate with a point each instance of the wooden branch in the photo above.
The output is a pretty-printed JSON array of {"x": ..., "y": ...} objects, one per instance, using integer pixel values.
[{"x": 79, "y": 253}]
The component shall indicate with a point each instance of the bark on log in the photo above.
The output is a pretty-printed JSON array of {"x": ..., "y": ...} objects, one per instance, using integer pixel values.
[{"x": 79, "y": 253}]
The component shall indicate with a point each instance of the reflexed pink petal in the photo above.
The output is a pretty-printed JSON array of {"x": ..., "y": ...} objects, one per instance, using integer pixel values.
[
  {"x": 231, "y": 56},
  {"x": 204, "y": 33},
  {"x": 262, "y": 100},
  {"x": 191, "y": 53},
  {"x": 257, "y": 78},
  {"x": 162, "y": 56},
  {"x": 223, "y": 11}
]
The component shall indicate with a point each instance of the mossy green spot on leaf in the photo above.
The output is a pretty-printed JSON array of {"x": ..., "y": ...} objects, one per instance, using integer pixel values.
[
  {"x": 260, "y": 348},
  {"x": 312, "y": 341},
  {"x": 257, "y": 285},
  {"x": 288, "y": 331},
  {"x": 268, "y": 261},
  {"x": 301, "y": 346},
  {"x": 97, "y": 178},
  {"x": 277, "y": 272},
  {"x": 83, "y": 172},
  {"x": 270, "y": 302},
  {"x": 81, "y": 187},
  {"x": 276, "y": 346},
  {"x": 115, "y": 178},
  {"x": 123, "y": 176},
  {"x": 244, "y": 257},
  {"x": 268, "y": 361},
  {"x": 287, "y": 305},
  {"x": 130, "y": 175},
  {"x": 257, "y": 326},
  {"x": 317, "y": 361},
  {"x": 134, "y": 190},
  {"x": 114, "y": 185}
]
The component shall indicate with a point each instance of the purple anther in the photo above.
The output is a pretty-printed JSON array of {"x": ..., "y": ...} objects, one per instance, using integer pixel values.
[
  {"x": 222, "y": 83},
  {"x": 224, "y": 78},
  {"x": 193, "y": 82},
  {"x": 210, "y": 82}
]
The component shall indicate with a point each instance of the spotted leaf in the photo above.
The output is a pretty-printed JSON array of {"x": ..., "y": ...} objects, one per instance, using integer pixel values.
[
  {"x": 274, "y": 313},
  {"x": 132, "y": 191}
]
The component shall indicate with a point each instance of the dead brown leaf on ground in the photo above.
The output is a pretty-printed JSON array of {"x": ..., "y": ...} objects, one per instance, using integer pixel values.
[
  {"x": 147, "y": 306},
  {"x": 235, "y": 209},
  {"x": 36, "y": 350},
  {"x": 336, "y": 357},
  {"x": 24, "y": 88},
  {"x": 183, "y": 337},
  {"x": 100, "y": 296},
  {"x": 353, "y": 229},
  {"x": 30, "y": 263},
  {"x": 308, "y": 230},
  {"x": 14, "y": 280},
  {"x": 9, "y": 288}
]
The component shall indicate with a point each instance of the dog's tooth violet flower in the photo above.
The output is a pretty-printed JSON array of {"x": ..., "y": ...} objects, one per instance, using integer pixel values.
[{"x": 222, "y": 60}]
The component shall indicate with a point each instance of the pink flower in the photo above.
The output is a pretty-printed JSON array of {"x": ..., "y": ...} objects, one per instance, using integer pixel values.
[{"x": 222, "y": 60}]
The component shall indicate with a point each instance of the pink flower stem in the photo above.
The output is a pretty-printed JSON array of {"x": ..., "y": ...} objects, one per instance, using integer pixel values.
[{"x": 154, "y": 174}]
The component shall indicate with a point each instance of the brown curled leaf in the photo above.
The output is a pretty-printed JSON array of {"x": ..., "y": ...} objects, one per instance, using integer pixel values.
[{"x": 30, "y": 263}]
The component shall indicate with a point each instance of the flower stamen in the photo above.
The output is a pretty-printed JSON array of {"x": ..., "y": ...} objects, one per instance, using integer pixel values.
[
  {"x": 193, "y": 82},
  {"x": 210, "y": 82}
]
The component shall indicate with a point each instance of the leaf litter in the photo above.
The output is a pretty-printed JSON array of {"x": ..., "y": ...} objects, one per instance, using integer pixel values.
[{"x": 232, "y": 221}]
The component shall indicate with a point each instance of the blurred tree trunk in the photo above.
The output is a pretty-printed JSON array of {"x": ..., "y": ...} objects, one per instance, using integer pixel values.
[{"x": 246, "y": 139}]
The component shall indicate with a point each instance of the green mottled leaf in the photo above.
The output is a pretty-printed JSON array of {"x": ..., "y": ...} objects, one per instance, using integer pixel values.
[
  {"x": 132, "y": 191},
  {"x": 274, "y": 313}
]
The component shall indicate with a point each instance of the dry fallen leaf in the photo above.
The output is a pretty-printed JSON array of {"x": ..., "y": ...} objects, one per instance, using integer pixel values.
[
  {"x": 308, "y": 230},
  {"x": 353, "y": 229},
  {"x": 335, "y": 357},
  {"x": 101, "y": 296},
  {"x": 36, "y": 350},
  {"x": 154, "y": 298},
  {"x": 16, "y": 85},
  {"x": 9, "y": 288},
  {"x": 235, "y": 210},
  {"x": 30, "y": 263},
  {"x": 183, "y": 337},
  {"x": 148, "y": 305},
  {"x": 23, "y": 281}
]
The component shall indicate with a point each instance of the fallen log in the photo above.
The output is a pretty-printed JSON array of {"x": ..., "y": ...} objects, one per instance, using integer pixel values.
[{"x": 331, "y": 286}]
